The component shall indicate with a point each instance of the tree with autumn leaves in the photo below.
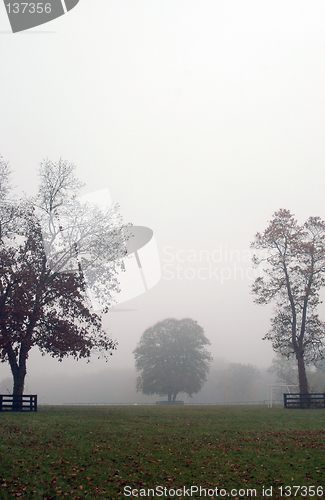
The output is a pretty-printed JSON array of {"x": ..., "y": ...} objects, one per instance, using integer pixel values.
[
  {"x": 293, "y": 260},
  {"x": 48, "y": 244}
]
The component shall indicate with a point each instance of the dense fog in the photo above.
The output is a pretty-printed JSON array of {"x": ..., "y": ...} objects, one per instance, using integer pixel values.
[{"x": 201, "y": 118}]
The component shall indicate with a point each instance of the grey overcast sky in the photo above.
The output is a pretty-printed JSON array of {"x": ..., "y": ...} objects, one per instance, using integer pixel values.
[{"x": 201, "y": 117}]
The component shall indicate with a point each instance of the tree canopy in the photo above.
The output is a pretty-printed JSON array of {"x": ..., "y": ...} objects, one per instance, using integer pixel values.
[
  {"x": 172, "y": 358},
  {"x": 43, "y": 297},
  {"x": 293, "y": 260}
]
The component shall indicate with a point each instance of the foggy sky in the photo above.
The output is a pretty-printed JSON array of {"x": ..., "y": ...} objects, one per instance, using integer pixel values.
[{"x": 202, "y": 118}]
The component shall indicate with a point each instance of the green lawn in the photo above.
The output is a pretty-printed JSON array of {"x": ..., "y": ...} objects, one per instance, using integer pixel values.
[{"x": 95, "y": 452}]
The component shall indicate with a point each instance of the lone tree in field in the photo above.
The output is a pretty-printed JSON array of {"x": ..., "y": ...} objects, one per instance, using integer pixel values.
[
  {"x": 172, "y": 358},
  {"x": 44, "y": 254},
  {"x": 293, "y": 259}
]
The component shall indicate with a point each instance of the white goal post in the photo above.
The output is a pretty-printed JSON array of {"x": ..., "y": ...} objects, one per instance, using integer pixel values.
[{"x": 270, "y": 388}]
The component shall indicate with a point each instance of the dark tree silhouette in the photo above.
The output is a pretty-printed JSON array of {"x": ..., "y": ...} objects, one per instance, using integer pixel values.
[
  {"x": 43, "y": 299},
  {"x": 293, "y": 259},
  {"x": 172, "y": 358}
]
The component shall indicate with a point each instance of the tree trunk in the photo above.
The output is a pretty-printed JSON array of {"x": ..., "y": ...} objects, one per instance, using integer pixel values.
[
  {"x": 174, "y": 396},
  {"x": 169, "y": 397},
  {"x": 18, "y": 370},
  {"x": 19, "y": 380},
  {"x": 303, "y": 382},
  {"x": 19, "y": 374}
]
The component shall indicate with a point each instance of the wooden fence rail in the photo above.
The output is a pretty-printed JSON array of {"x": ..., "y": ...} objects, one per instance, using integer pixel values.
[
  {"x": 8, "y": 402},
  {"x": 316, "y": 400}
]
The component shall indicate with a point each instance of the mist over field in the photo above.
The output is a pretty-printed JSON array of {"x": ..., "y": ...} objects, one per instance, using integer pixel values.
[
  {"x": 115, "y": 386},
  {"x": 226, "y": 383},
  {"x": 201, "y": 118}
]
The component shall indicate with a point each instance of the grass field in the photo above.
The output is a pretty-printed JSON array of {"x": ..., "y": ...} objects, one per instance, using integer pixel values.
[{"x": 95, "y": 452}]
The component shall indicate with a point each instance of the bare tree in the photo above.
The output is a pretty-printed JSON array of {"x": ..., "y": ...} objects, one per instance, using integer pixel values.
[
  {"x": 285, "y": 370},
  {"x": 8, "y": 208},
  {"x": 238, "y": 383},
  {"x": 293, "y": 259},
  {"x": 79, "y": 235},
  {"x": 5, "y": 173}
]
